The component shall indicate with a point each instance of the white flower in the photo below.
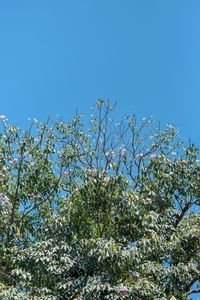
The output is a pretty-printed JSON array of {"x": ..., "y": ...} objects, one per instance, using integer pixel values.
[
  {"x": 170, "y": 126},
  {"x": 89, "y": 171},
  {"x": 141, "y": 155},
  {"x": 122, "y": 151},
  {"x": 107, "y": 179},
  {"x": 110, "y": 154},
  {"x": 135, "y": 274},
  {"x": 152, "y": 232},
  {"x": 3, "y": 118},
  {"x": 123, "y": 289},
  {"x": 174, "y": 153}
]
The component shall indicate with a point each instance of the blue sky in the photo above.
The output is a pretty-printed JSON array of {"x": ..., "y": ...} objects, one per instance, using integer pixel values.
[{"x": 59, "y": 55}]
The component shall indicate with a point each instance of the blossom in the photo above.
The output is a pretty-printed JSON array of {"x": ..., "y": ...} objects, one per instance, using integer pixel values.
[
  {"x": 174, "y": 153},
  {"x": 110, "y": 154},
  {"x": 123, "y": 289},
  {"x": 140, "y": 155},
  {"x": 170, "y": 126},
  {"x": 152, "y": 156},
  {"x": 107, "y": 179},
  {"x": 122, "y": 151},
  {"x": 135, "y": 274},
  {"x": 3, "y": 118},
  {"x": 151, "y": 232}
]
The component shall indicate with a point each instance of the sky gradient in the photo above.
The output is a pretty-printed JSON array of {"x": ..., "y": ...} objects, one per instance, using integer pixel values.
[{"x": 56, "y": 56}]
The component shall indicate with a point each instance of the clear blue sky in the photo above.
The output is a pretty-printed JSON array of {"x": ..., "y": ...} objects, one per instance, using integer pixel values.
[{"x": 59, "y": 55}]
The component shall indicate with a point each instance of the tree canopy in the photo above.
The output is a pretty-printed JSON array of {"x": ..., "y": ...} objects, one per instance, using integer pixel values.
[{"x": 98, "y": 209}]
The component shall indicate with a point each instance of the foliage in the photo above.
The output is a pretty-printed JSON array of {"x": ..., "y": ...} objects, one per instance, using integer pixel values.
[{"x": 103, "y": 210}]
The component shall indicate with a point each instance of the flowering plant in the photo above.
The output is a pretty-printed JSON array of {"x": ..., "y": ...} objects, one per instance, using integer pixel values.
[{"x": 105, "y": 212}]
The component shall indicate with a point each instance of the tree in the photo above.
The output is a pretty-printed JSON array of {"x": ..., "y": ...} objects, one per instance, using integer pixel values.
[{"x": 102, "y": 211}]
